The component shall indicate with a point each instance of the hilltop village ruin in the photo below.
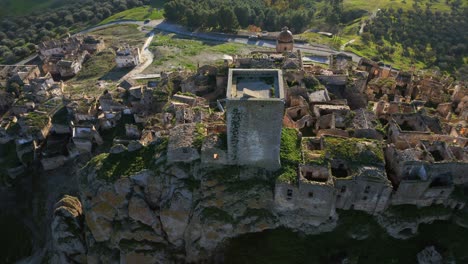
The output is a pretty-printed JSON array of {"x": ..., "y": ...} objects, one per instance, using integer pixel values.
[{"x": 345, "y": 136}]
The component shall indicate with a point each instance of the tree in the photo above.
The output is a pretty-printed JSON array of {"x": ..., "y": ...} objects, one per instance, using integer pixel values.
[
  {"x": 243, "y": 15},
  {"x": 21, "y": 51},
  {"x": 227, "y": 18},
  {"x": 9, "y": 57},
  {"x": 3, "y": 50},
  {"x": 462, "y": 73}
]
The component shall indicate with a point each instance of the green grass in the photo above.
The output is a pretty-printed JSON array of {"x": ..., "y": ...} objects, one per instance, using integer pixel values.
[
  {"x": 285, "y": 246},
  {"x": 36, "y": 120},
  {"x": 117, "y": 35},
  {"x": 334, "y": 42},
  {"x": 97, "y": 66},
  {"x": 111, "y": 167},
  {"x": 171, "y": 51},
  {"x": 190, "y": 47},
  {"x": 138, "y": 13},
  {"x": 100, "y": 66},
  {"x": 397, "y": 59},
  {"x": 356, "y": 151},
  {"x": 373, "y": 5}
]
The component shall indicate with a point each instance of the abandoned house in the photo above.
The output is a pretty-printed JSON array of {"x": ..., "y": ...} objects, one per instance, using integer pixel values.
[{"x": 127, "y": 57}]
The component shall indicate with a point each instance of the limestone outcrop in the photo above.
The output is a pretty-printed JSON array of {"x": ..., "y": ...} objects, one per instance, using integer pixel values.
[
  {"x": 67, "y": 232},
  {"x": 402, "y": 222},
  {"x": 139, "y": 208}
]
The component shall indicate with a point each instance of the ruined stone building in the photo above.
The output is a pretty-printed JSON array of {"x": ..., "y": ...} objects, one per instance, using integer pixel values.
[
  {"x": 284, "y": 41},
  {"x": 93, "y": 44},
  {"x": 336, "y": 173},
  {"x": 408, "y": 129},
  {"x": 65, "y": 57},
  {"x": 426, "y": 174},
  {"x": 69, "y": 66},
  {"x": 20, "y": 74},
  {"x": 59, "y": 47},
  {"x": 127, "y": 57},
  {"x": 255, "y": 105}
]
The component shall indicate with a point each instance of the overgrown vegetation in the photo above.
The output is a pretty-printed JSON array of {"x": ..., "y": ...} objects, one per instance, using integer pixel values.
[
  {"x": 199, "y": 135},
  {"x": 171, "y": 51},
  {"x": 110, "y": 166},
  {"x": 138, "y": 13},
  {"x": 290, "y": 155},
  {"x": 356, "y": 151}
]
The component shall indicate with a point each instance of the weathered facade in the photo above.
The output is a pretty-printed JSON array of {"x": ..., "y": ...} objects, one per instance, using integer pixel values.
[{"x": 255, "y": 105}]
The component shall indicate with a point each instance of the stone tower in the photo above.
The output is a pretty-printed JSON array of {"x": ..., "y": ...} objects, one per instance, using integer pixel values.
[
  {"x": 285, "y": 41},
  {"x": 255, "y": 106}
]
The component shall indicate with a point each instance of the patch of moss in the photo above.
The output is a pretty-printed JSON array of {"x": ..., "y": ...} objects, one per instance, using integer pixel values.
[
  {"x": 110, "y": 166},
  {"x": 36, "y": 120},
  {"x": 290, "y": 155},
  {"x": 354, "y": 150},
  {"x": 199, "y": 135}
]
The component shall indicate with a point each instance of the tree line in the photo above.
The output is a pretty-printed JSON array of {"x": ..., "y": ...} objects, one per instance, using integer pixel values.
[
  {"x": 230, "y": 15},
  {"x": 19, "y": 35}
]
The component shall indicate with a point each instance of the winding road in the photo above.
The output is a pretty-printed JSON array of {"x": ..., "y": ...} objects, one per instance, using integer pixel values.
[{"x": 164, "y": 26}]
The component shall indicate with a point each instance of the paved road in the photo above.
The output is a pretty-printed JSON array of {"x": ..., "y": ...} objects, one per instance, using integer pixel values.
[
  {"x": 316, "y": 49},
  {"x": 165, "y": 26},
  {"x": 146, "y": 59}
]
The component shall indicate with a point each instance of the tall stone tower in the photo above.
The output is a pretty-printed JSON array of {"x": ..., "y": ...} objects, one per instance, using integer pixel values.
[
  {"x": 255, "y": 106},
  {"x": 285, "y": 41}
]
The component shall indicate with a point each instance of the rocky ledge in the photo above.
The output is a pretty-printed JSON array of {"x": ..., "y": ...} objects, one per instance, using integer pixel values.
[{"x": 138, "y": 208}]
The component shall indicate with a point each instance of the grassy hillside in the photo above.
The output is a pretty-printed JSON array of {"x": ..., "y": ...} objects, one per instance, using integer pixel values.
[
  {"x": 23, "y": 7},
  {"x": 372, "y": 5},
  {"x": 138, "y": 13}
]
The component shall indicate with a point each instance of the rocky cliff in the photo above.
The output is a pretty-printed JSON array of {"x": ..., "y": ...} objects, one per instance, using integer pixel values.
[{"x": 138, "y": 208}]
